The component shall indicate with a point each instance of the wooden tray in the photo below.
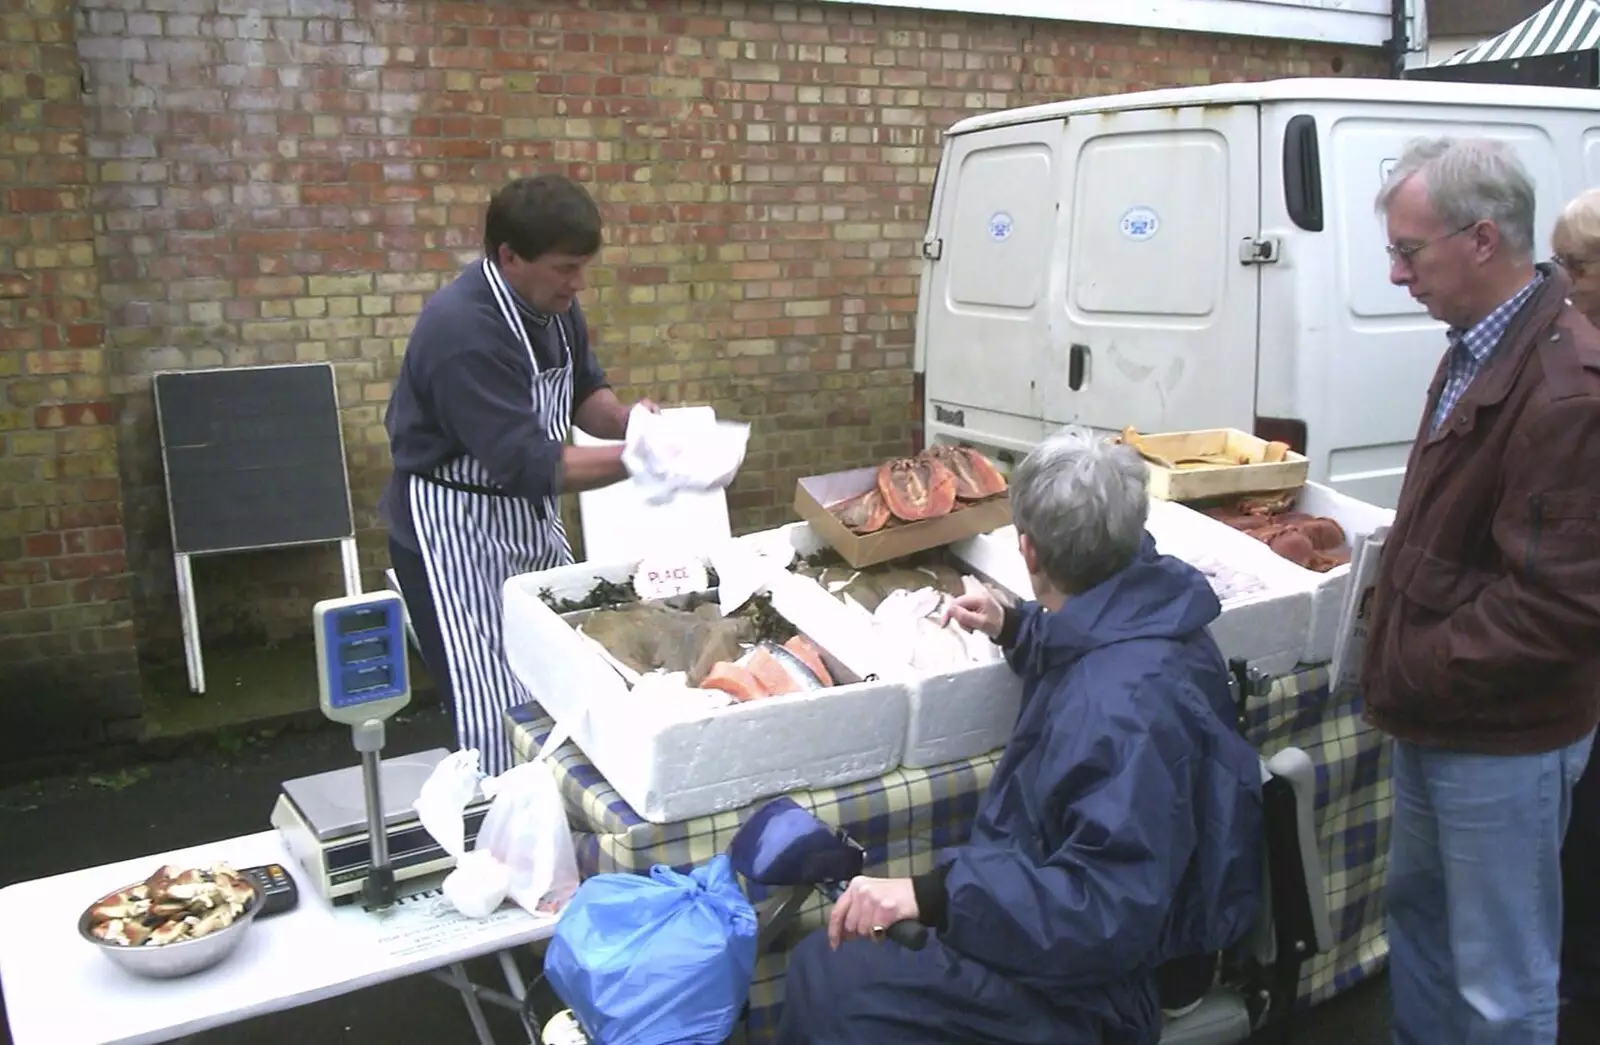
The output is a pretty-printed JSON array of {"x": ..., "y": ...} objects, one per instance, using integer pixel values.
[{"x": 1167, "y": 452}]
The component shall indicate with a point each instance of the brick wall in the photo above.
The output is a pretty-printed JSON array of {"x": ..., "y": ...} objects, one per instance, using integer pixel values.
[
  {"x": 283, "y": 180},
  {"x": 67, "y": 666}
]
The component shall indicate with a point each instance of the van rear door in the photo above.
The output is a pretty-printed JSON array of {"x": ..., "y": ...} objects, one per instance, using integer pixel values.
[
  {"x": 1154, "y": 310},
  {"x": 983, "y": 316},
  {"x": 1364, "y": 373}
]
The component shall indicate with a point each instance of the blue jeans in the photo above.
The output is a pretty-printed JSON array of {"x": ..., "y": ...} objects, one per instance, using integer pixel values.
[{"x": 1474, "y": 894}]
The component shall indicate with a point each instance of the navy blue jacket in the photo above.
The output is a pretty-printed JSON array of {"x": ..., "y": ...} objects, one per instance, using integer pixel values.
[
  {"x": 1122, "y": 828},
  {"x": 465, "y": 388}
]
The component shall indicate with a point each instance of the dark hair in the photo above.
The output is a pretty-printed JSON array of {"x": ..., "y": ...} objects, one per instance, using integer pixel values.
[{"x": 542, "y": 214}]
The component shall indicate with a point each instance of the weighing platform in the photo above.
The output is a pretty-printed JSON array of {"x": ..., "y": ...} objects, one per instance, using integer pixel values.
[{"x": 323, "y": 821}]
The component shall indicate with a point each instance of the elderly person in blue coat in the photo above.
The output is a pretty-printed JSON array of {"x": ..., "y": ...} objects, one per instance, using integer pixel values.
[{"x": 1122, "y": 830}]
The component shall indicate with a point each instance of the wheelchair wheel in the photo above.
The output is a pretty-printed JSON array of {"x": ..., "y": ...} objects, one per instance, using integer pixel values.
[{"x": 546, "y": 1022}]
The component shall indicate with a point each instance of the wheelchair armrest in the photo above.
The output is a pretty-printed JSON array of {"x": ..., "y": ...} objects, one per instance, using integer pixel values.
[{"x": 1299, "y": 888}]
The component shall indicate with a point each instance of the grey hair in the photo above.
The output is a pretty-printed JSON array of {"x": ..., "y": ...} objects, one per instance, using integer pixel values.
[
  {"x": 1469, "y": 180},
  {"x": 1082, "y": 501}
]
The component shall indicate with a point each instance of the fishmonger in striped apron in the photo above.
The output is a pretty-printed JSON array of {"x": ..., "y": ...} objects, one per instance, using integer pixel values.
[{"x": 497, "y": 370}]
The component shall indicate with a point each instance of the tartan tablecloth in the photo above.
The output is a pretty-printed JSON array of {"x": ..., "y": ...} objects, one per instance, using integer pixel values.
[{"x": 904, "y": 817}]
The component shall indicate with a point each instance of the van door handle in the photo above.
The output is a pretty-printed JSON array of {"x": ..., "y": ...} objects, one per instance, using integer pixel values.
[{"x": 1080, "y": 356}]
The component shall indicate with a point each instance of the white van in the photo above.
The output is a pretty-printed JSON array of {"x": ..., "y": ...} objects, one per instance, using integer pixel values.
[{"x": 1205, "y": 257}]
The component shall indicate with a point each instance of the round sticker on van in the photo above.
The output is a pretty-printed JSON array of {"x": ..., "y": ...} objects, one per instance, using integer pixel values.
[
  {"x": 1000, "y": 226},
  {"x": 1140, "y": 223}
]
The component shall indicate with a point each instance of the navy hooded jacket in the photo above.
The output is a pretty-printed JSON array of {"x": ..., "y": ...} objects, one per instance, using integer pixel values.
[{"x": 1122, "y": 828}]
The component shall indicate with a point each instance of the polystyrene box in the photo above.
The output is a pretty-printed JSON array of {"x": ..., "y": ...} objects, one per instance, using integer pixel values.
[
  {"x": 671, "y": 766},
  {"x": 1266, "y": 628},
  {"x": 1329, "y": 590},
  {"x": 950, "y": 715}
]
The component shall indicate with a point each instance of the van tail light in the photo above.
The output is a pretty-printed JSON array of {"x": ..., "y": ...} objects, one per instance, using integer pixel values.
[
  {"x": 1282, "y": 430},
  {"x": 918, "y": 392}
]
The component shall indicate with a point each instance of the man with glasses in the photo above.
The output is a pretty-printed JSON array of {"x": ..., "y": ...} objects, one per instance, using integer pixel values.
[{"x": 1483, "y": 661}]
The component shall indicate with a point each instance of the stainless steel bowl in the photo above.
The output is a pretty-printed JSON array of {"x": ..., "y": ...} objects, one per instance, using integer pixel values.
[{"x": 172, "y": 960}]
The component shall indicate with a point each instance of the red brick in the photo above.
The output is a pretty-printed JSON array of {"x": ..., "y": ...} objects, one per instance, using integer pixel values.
[
  {"x": 42, "y": 545},
  {"x": 38, "y": 201},
  {"x": 724, "y": 180}
]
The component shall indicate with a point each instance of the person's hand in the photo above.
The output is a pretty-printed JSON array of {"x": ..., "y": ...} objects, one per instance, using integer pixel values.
[
  {"x": 649, "y": 404},
  {"x": 977, "y": 610},
  {"x": 868, "y": 904}
]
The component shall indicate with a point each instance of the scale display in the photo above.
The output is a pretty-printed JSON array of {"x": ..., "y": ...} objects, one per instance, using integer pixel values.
[{"x": 361, "y": 656}]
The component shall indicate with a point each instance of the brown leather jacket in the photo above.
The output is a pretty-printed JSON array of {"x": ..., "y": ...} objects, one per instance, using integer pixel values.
[{"x": 1485, "y": 633}]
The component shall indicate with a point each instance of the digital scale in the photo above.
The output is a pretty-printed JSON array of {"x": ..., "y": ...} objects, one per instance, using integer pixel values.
[{"x": 354, "y": 830}]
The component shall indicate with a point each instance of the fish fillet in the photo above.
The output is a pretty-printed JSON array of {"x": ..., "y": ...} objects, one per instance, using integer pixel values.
[{"x": 734, "y": 680}]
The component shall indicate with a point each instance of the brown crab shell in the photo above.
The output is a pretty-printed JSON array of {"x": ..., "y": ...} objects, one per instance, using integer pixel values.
[
  {"x": 917, "y": 488},
  {"x": 864, "y": 513},
  {"x": 977, "y": 478}
]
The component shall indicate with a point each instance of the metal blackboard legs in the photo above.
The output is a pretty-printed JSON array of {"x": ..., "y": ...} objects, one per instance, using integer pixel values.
[
  {"x": 351, "y": 567},
  {"x": 191, "y": 624}
]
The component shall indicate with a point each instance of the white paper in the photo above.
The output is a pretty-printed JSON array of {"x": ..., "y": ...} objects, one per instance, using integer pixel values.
[
  {"x": 746, "y": 569},
  {"x": 1351, "y": 647},
  {"x": 671, "y": 453}
]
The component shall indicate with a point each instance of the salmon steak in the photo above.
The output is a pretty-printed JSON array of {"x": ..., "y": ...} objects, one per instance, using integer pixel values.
[
  {"x": 808, "y": 654},
  {"x": 917, "y": 488},
  {"x": 774, "y": 679},
  {"x": 976, "y": 476},
  {"x": 735, "y": 680}
]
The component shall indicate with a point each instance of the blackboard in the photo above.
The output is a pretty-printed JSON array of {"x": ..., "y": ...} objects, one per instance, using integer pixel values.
[{"x": 253, "y": 456}]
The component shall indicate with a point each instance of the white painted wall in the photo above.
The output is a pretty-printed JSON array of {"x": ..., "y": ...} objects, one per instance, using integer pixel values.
[{"x": 1363, "y": 23}]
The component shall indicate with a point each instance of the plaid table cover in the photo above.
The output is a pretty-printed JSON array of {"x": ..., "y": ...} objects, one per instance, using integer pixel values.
[{"x": 904, "y": 817}]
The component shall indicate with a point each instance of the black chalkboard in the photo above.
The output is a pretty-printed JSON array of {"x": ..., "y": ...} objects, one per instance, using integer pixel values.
[{"x": 253, "y": 457}]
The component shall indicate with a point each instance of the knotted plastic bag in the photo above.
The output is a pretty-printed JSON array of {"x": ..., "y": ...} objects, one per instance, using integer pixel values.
[
  {"x": 524, "y": 846},
  {"x": 656, "y": 959}
]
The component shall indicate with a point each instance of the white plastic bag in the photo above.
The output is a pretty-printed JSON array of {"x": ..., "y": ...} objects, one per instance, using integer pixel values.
[
  {"x": 526, "y": 830},
  {"x": 477, "y": 887},
  {"x": 524, "y": 846}
]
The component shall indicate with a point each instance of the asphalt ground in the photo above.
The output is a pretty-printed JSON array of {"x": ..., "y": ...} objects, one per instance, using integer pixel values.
[{"x": 68, "y": 822}]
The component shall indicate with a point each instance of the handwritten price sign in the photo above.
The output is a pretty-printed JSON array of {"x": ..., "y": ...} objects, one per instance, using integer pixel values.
[{"x": 662, "y": 578}]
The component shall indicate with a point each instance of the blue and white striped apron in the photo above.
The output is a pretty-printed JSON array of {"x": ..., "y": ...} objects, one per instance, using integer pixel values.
[{"x": 475, "y": 537}]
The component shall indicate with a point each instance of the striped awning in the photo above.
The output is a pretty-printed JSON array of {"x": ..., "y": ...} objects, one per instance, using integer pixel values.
[{"x": 1563, "y": 26}]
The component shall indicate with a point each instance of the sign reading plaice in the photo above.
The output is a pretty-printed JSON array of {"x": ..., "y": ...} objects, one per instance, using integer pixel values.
[{"x": 663, "y": 576}]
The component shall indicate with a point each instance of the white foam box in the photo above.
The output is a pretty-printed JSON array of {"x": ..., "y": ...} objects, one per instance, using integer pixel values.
[
  {"x": 950, "y": 715},
  {"x": 675, "y": 768},
  {"x": 1329, "y": 590},
  {"x": 1266, "y": 628}
]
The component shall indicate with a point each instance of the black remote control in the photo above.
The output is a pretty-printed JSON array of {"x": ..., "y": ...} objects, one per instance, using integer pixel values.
[{"x": 278, "y": 891}]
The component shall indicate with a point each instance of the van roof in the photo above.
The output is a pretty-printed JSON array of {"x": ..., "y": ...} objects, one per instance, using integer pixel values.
[{"x": 1297, "y": 89}]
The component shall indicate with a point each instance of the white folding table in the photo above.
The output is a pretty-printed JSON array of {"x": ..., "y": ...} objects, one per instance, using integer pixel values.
[{"x": 60, "y": 991}]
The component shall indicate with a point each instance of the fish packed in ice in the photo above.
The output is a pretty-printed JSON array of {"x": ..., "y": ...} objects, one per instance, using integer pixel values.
[
  {"x": 904, "y": 602},
  {"x": 1229, "y": 583},
  {"x": 749, "y": 655}
]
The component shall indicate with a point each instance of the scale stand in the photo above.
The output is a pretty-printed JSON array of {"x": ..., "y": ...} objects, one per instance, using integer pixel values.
[{"x": 362, "y": 680}]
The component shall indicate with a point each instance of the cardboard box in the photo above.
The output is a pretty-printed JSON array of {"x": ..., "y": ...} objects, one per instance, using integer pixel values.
[
  {"x": 814, "y": 494},
  {"x": 1183, "y": 484}
]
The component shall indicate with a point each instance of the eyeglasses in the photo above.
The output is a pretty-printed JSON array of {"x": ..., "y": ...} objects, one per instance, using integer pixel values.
[
  {"x": 1574, "y": 266},
  {"x": 1408, "y": 251}
]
